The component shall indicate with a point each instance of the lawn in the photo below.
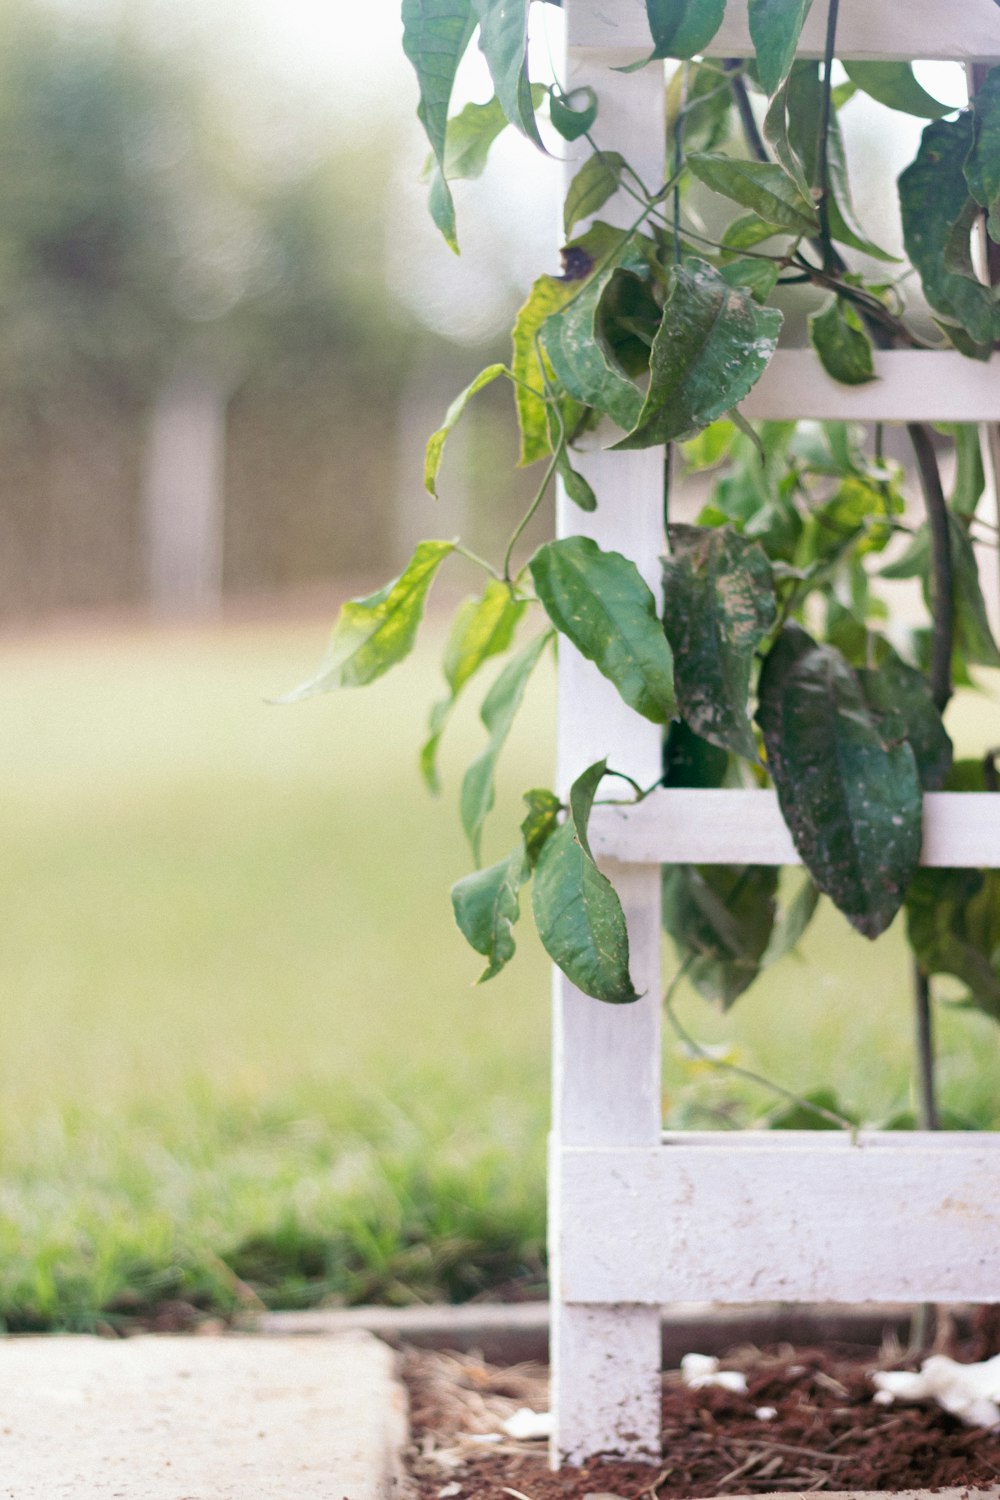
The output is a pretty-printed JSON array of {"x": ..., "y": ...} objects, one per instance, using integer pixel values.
[{"x": 240, "y": 1053}]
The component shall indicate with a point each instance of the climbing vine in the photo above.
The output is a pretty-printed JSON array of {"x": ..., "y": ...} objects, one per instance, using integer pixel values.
[{"x": 771, "y": 661}]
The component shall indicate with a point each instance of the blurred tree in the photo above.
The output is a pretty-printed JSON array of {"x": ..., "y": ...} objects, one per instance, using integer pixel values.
[{"x": 154, "y": 259}]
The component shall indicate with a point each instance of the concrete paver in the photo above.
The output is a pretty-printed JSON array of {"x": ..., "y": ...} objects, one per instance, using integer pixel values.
[{"x": 224, "y": 1418}]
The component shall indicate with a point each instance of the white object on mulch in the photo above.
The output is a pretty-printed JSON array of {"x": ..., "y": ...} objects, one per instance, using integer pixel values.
[
  {"x": 969, "y": 1392},
  {"x": 701, "y": 1370},
  {"x": 526, "y": 1424},
  {"x": 766, "y": 1413}
]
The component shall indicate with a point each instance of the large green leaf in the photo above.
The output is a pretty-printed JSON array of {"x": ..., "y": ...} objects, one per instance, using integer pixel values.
[
  {"x": 763, "y": 187},
  {"x": 982, "y": 165},
  {"x": 595, "y": 182},
  {"x": 435, "y": 36},
  {"x": 712, "y": 347},
  {"x": 486, "y": 905},
  {"x": 483, "y": 627},
  {"x": 680, "y": 28},
  {"x": 547, "y": 296},
  {"x": 937, "y": 212},
  {"x": 718, "y": 606},
  {"x": 437, "y": 440},
  {"x": 775, "y": 28},
  {"x": 577, "y": 911},
  {"x": 503, "y": 40},
  {"x": 721, "y": 918},
  {"x": 953, "y": 925},
  {"x": 498, "y": 712},
  {"x": 373, "y": 634},
  {"x": 601, "y": 603},
  {"x": 901, "y": 699},
  {"x": 844, "y": 349},
  {"x": 893, "y": 84},
  {"x": 578, "y": 356},
  {"x": 973, "y": 636},
  {"x": 852, "y": 801}
]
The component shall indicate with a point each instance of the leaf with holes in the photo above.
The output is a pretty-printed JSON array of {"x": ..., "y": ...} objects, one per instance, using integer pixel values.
[
  {"x": 601, "y": 603},
  {"x": 713, "y": 345},
  {"x": 719, "y": 604},
  {"x": 577, "y": 911},
  {"x": 852, "y": 800}
]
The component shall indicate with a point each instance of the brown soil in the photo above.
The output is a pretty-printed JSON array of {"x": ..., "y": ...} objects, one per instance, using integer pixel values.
[{"x": 828, "y": 1434}]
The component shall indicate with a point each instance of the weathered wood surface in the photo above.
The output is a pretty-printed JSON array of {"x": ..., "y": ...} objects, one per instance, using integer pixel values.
[
  {"x": 713, "y": 827},
  {"x": 965, "y": 30},
  {"x": 913, "y": 385},
  {"x": 809, "y": 1217}
]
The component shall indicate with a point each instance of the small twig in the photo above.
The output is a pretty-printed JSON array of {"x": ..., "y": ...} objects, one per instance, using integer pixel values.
[{"x": 751, "y": 131}]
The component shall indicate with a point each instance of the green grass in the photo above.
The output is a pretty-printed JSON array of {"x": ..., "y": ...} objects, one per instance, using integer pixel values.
[{"x": 240, "y": 1053}]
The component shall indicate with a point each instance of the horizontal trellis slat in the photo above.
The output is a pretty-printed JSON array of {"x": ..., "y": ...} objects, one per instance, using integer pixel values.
[
  {"x": 741, "y": 1219},
  {"x": 715, "y": 827},
  {"x": 963, "y": 30},
  {"x": 913, "y": 385}
]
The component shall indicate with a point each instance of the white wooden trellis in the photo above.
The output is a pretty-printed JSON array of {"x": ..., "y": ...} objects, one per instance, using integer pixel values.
[{"x": 638, "y": 1218}]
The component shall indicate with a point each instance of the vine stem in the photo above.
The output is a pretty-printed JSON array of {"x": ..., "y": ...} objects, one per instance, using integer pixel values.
[
  {"x": 823, "y": 186},
  {"x": 829, "y": 1115}
]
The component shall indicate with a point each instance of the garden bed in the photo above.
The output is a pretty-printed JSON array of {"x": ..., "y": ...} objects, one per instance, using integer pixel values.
[{"x": 827, "y": 1434}]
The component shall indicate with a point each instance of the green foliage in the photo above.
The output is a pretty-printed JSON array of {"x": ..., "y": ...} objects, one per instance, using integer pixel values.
[
  {"x": 503, "y": 40},
  {"x": 373, "y": 634},
  {"x": 893, "y": 84},
  {"x": 851, "y": 798},
  {"x": 982, "y": 165},
  {"x": 844, "y": 348},
  {"x": 437, "y": 440},
  {"x": 599, "y": 601},
  {"x": 680, "y": 28},
  {"x": 775, "y": 27},
  {"x": 596, "y": 181},
  {"x": 486, "y": 907},
  {"x": 577, "y": 911},
  {"x": 721, "y": 918},
  {"x": 719, "y": 605}
]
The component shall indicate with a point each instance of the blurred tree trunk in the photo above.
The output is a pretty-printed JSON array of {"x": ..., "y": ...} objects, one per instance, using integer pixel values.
[{"x": 183, "y": 495}]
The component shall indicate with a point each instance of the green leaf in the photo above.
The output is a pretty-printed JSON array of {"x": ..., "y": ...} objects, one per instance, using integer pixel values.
[
  {"x": 763, "y": 187},
  {"x": 953, "y": 926},
  {"x": 937, "y": 212},
  {"x": 628, "y": 316},
  {"x": 373, "y": 634},
  {"x": 973, "y": 636},
  {"x": 721, "y": 918},
  {"x": 791, "y": 923},
  {"x": 482, "y": 628},
  {"x": 577, "y": 488},
  {"x": 595, "y": 182},
  {"x": 893, "y": 84},
  {"x": 852, "y": 802},
  {"x": 498, "y": 712},
  {"x": 709, "y": 448},
  {"x": 844, "y": 349},
  {"x": 437, "y": 440},
  {"x": 775, "y": 28},
  {"x": 700, "y": 95},
  {"x": 688, "y": 760},
  {"x": 442, "y": 209},
  {"x": 758, "y": 276},
  {"x": 435, "y": 36},
  {"x": 547, "y": 296},
  {"x": 600, "y": 602},
  {"x": 747, "y": 231},
  {"x": 719, "y": 605},
  {"x": 577, "y": 911},
  {"x": 712, "y": 347},
  {"x": 472, "y": 132},
  {"x": 900, "y": 698},
  {"x": 541, "y": 821},
  {"x": 577, "y": 355},
  {"x": 486, "y": 905},
  {"x": 799, "y": 1115},
  {"x": 970, "y": 479},
  {"x": 982, "y": 165},
  {"x": 680, "y": 28},
  {"x": 569, "y": 118},
  {"x": 503, "y": 41}
]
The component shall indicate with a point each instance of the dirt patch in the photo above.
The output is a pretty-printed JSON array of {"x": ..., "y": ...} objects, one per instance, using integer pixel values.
[{"x": 827, "y": 1434}]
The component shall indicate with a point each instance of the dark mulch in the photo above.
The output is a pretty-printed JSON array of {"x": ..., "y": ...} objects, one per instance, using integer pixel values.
[{"x": 828, "y": 1435}]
